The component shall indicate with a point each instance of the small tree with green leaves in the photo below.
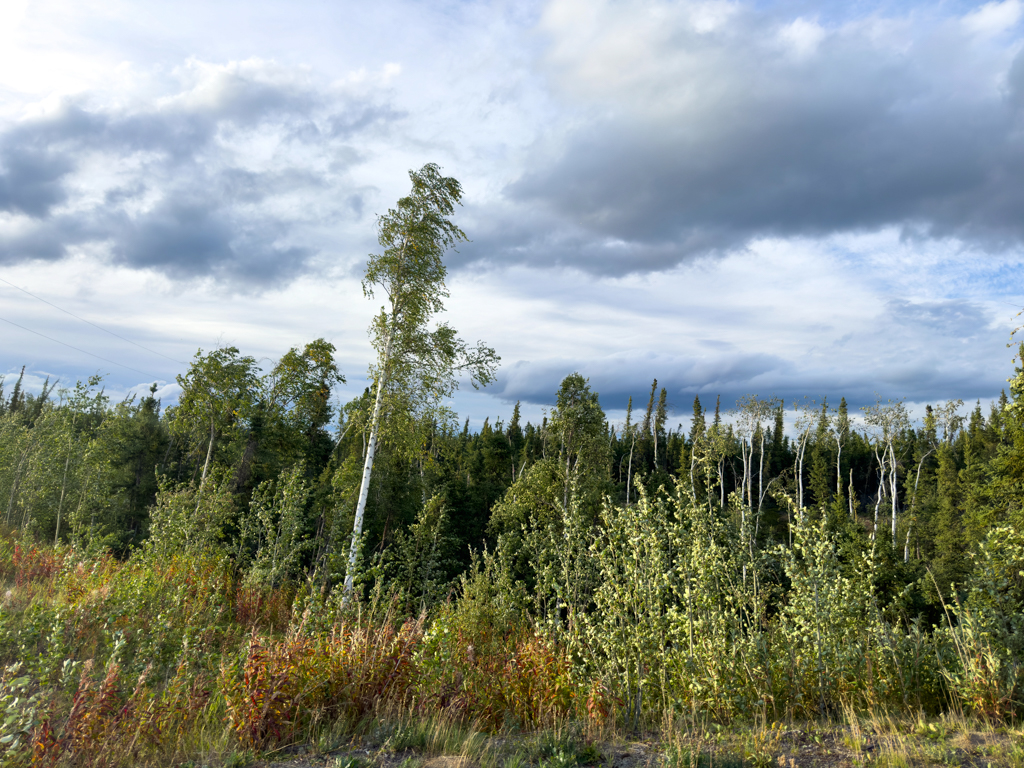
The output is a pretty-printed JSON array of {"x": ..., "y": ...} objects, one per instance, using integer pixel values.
[
  {"x": 275, "y": 527},
  {"x": 217, "y": 391}
]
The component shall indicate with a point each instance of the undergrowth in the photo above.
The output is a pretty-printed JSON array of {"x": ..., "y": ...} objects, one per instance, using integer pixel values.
[{"x": 167, "y": 659}]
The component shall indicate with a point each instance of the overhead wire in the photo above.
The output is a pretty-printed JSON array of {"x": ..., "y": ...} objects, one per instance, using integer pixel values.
[
  {"x": 40, "y": 298},
  {"x": 69, "y": 346}
]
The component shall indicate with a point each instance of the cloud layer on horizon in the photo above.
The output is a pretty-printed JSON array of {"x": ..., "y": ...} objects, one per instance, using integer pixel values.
[{"x": 928, "y": 351}]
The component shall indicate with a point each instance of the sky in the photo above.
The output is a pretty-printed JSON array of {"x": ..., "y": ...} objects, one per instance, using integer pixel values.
[{"x": 788, "y": 199}]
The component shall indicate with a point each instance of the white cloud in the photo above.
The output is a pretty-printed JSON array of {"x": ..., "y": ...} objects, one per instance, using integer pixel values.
[
  {"x": 710, "y": 16},
  {"x": 993, "y": 18},
  {"x": 802, "y": 36}
]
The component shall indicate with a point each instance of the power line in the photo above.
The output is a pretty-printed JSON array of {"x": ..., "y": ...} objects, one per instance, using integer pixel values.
[
  {"x": 90, "y": 354},
  {"x": 66, "y": 312}
]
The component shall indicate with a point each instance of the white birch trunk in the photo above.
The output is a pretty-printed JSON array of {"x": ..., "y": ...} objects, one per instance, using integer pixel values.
[
  {"x": 721, "y": 483},
  {"x": 893, "y": 489},
  {"x": 913, "y": 506},
  {"x": 364, "y": 487},
  {"x": 743, "y": 482},
  {"x": 629, "y": 469},
  {"x": 839, "y": 470},
  {"x": 760, "y": 480},
  {"x": 800, "y": 475},
  {"x": 206, "y": 465},
  {"x": 881, "y": 489},
  {"x": 852, "y": 515}
]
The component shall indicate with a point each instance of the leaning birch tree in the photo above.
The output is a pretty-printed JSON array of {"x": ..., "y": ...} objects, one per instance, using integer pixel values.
[{"x": 416, "y": 366}]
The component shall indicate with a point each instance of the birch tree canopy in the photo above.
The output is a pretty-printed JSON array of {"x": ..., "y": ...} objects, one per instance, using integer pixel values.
[{"x": 416, "y": 365}]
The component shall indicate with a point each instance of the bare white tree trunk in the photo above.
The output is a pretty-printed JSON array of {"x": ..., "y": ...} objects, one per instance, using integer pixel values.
[
  {"x": 206, "y": 465},
  {"x": 893, "y": 490},
  {"x": 852, "y": 516},
  {"x": 760, "y": 479},
  {"x": 882, "y": 461},
  {"x": 721, "y": 483},
  {"x": 750, "y": 474},
  {"x": 839, "y": 469},
  {"x": 800, "y": 474},
  {"x": 364, "y": 487},
  {"x": 913, "y": 506},
  {"x": 629, "y": 470},
  {"x": 744, "y": 489}
]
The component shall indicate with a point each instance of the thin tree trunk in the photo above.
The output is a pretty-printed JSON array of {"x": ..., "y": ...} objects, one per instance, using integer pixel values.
[
  {"x": 913, "y": 506},
  {"x": 893, "y": 490},
  {"x": 852, "y": 517},
  {"x": 206, "y": 465},
  {"x": 744, "y": 496},
  {"x": 209, "y": 453},
  {"x": 748, "y": 474},
  {"x": 760, "y": 482},
  {"x": 743, "y": 484},
  {"x": 839, "y": 469},
  {"x": 14, "y": 484},
  {"x": 721, "y": 483},
  {"x": 63, "y": 487},
  {"x": 364, "y": 488},
  {"x": 565, "y": 492},
  {"x": 881, "y": 488},
  {"x": 629, "y": 470},
  {"x": 878, "y": 502},
  {"x": 799, "y": 488},
  {"x": 800, "y": 475},
  {"x": 342, "y": 436}
]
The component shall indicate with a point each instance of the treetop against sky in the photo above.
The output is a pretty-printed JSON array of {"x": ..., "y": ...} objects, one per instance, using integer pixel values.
[{"x": 750, "y": 197}]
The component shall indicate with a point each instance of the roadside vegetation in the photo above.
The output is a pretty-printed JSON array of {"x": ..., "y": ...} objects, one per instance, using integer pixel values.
[{"x": 255, "y": 574}]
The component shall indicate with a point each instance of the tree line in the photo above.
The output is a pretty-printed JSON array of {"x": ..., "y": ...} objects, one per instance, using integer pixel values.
[{"x": 75, "y": 467}]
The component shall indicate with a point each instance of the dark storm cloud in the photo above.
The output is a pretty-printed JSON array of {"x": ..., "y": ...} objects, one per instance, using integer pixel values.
[
  {"x": 788, "y": 380},
  {"x": 31, "y": 182},
  {"x": 186, "y": 200},
  {"x": 49, "y": 238},
  {"x": 188, "y": 237},
  {"x": 922, "y": 351},
  {"x": 697, "y": 142}
]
